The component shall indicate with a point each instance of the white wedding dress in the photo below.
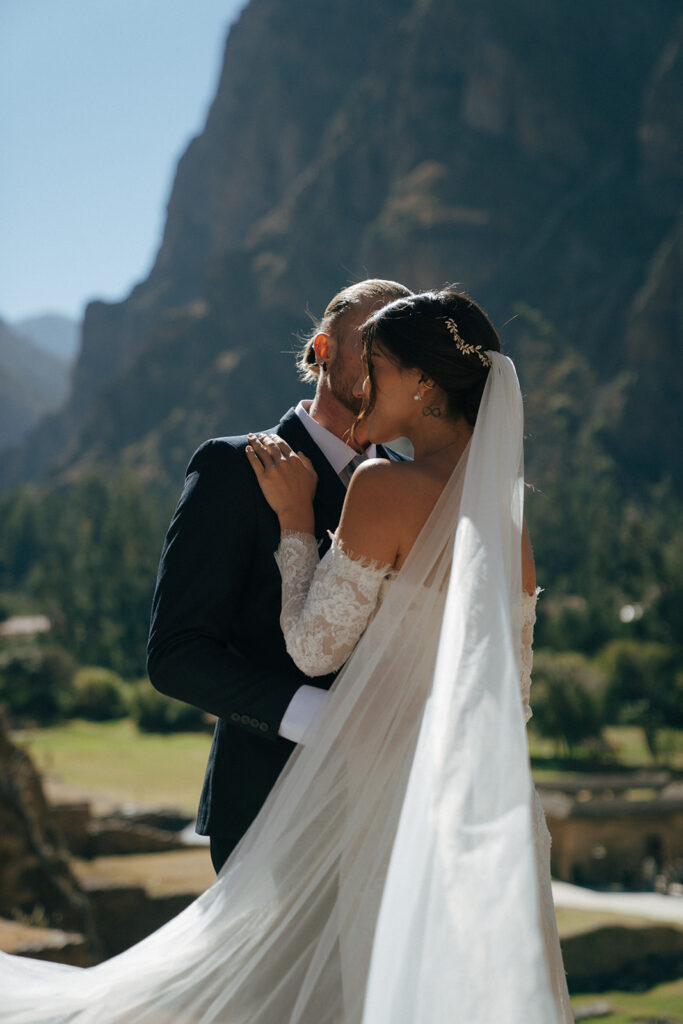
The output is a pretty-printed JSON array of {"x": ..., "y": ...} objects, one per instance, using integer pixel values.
[
  {"x": 326, "y": 607},
  {"x": 398, "y": 872}
]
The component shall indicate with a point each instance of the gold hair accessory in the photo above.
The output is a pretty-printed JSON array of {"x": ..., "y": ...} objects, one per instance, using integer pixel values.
[{"x": 464, "y": 347}]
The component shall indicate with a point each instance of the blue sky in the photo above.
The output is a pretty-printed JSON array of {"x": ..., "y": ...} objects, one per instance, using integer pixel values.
[{"x": 98, "y": 99}]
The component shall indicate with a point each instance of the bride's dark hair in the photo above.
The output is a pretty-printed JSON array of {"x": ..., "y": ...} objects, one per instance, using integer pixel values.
[{"x": 445, "y": 334}]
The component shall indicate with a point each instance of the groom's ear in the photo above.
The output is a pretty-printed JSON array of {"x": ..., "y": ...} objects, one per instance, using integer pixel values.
[{"x": 325, "y": 348}]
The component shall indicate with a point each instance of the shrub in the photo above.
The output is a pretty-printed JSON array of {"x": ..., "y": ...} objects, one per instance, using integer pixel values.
[
  {"x": 13, "y": 604},
  {"x": 570, "y": 623},
  {"x": 567, "y": 697},
  {"x": 35, "y": 682},
  {"x": 154, "y": 712},
  {"x": 97, "y": 694},
  {"x": 644, "y": 687}
]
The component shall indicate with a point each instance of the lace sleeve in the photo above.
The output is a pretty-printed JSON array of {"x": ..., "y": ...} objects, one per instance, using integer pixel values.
[
  {"x": 528, "y": 621},
  {"x": 326, "y": 604}
]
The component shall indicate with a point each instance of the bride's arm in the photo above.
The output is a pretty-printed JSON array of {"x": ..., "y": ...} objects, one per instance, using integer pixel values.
[
  {"x": 326, "y": 606},
  {"x": 370, "y": 518},
  {"x": 528, "y": 564}
]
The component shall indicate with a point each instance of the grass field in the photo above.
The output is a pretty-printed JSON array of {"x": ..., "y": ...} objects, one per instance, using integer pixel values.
[
  {"x": 626, "y": 748},
  {"x": 117, "y": 761},
  {"x": 114, "y": 760},
  {"x": 576, "y": 920},
  {"x": 662, "y": 1004}
]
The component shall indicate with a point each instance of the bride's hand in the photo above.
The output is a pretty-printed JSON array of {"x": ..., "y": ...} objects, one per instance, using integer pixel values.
[{"x": 287, "y": 480}]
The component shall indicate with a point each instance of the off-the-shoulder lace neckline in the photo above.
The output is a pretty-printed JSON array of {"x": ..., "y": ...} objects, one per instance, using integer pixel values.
[
  {"x": 371, "y": 564},
  {"x": 338, "y": 547}
]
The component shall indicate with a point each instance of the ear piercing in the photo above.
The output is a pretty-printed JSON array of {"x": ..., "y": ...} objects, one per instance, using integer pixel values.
[{"x": 417, "y": 397}]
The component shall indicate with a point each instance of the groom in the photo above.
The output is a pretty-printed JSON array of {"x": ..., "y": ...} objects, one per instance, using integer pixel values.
[{"x": 215, "y": 638}]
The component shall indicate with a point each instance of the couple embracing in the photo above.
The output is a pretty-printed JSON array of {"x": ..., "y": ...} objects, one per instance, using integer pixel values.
[{"x": 382, "y": 854}]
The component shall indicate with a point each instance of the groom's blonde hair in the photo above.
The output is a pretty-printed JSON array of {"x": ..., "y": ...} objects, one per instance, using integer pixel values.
[{"x": 373, "y": 291}]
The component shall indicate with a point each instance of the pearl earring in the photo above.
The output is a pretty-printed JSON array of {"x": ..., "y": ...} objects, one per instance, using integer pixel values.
[{"x": 417, "y": 398}]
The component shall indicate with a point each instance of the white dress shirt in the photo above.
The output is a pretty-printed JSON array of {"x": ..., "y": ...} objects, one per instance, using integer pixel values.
[
  {"x": 308, "y": 701},
  {"x": 337, "y": 452}
]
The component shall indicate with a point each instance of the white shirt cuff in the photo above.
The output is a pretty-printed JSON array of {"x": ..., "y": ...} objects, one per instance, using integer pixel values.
[{"x": 304, "y": 707}]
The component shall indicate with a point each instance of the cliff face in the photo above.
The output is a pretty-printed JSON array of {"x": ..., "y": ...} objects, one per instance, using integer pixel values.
[
  {"x": 534, "y": 156},
  {"x": 652, "y": 420}
]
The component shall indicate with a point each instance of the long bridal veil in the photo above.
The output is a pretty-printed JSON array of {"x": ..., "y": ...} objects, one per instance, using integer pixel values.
[
  {"x": 390, "y": 877},
  {"x": 458, "y": 936}
]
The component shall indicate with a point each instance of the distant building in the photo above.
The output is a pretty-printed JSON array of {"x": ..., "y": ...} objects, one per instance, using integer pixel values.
[{"x": 607, "y": 841}]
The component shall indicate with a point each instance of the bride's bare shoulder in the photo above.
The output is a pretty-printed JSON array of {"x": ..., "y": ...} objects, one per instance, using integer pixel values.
[
  {"x": 382, "y": 480},
  {"x": 376, "y": 500},
  {"x": 406, "y": 482}
]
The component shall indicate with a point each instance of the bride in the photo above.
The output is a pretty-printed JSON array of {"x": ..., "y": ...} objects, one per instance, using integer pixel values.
[{"x": 399, "y": 871}]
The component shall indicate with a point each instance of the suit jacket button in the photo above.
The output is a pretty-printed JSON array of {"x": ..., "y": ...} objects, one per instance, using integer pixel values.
[
  {"x": 234, "y": 717},
  {"x": 245, "y": 719},
  {"x": 255, "y": 722},
  {"x": 263, "y": 727}
]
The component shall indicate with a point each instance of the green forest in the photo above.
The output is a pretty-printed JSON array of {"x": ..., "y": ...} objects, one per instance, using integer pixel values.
[{"x": 608, "y": 637}]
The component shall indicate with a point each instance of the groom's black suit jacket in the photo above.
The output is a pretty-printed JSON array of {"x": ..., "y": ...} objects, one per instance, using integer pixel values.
[{"x": 215, "y": 638}]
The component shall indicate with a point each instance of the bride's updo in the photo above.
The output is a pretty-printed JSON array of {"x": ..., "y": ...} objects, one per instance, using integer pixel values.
[{"x": 445, "y": 335}]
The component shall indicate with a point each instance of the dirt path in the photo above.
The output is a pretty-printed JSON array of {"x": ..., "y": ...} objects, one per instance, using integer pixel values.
[{"x": 650, "y": 905}]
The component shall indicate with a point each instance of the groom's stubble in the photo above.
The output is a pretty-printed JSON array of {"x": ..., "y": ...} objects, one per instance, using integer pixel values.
[{"x": 344, "y": 372}]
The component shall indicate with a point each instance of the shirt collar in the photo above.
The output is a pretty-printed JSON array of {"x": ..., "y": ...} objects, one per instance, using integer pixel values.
[{"x": 336, "y": 451}]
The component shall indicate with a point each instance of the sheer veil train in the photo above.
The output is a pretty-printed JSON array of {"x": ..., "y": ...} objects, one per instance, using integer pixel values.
[{"x": 390, "y": 878}]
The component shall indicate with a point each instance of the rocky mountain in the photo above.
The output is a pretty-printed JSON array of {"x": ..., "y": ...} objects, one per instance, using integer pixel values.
[
  {"x": 32, "y": 383},
  {"x": 532, "y": 153},
  {"x": 52, "y": 333}
]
